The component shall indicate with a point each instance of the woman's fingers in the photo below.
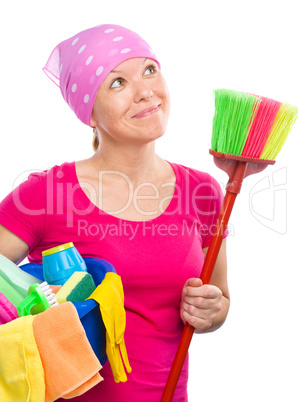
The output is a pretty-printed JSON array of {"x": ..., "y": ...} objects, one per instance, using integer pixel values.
[
  {"x": 200, "y": 324},
  {"x": 193, "y": 282},
  {"x": 205, "y": 291},
  {"x": 200, "y": 304},
  {"x": 208, "y": 311}
]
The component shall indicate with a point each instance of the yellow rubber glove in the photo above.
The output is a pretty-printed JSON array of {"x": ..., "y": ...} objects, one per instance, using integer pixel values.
[{"x": 110, "y": 297}]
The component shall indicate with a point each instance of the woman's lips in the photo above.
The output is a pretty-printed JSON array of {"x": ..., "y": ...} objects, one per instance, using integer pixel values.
[{"x": 146, "y": 112}]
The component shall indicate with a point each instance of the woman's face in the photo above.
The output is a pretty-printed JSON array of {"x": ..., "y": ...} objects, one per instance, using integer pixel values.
[{"x": 132, "y": 104}]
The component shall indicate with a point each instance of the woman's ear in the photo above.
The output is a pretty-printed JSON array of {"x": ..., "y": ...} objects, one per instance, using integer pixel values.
[{"x": 92, "y": 121}]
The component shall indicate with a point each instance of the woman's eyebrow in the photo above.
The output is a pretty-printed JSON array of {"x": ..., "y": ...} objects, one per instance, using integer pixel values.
[{"x": 117, "y": 71}]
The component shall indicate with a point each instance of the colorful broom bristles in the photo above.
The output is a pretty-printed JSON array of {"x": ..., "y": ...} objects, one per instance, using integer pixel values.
[{"x": 250, "y": 125}]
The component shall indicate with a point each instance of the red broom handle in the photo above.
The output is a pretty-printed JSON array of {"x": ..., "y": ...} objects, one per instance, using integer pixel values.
[{"x": 209, "y": 263}]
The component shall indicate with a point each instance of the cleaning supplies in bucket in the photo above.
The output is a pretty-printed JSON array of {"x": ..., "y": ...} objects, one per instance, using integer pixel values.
[
  {"x": 91, "y": 320},
  {"x": 60, "y": 262},
  {"x": 10, "y": 293},
  {"x": 110, "y": 297},
  {"x": 8, "y": 312},
  {"x": 63, "y": 265},
  {"x": 40, "y": 297},
  {"x": 17, "y": 278},
  {"x": 77, "y": 288},
  {"x": 27, "y": 293}
]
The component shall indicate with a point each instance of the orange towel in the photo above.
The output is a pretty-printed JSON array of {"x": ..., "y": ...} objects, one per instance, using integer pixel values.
[{"x": 70, "y": 365}]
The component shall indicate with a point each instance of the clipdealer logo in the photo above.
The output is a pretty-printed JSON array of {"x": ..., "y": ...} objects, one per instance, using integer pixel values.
[
  {"x": 268, "y": 201},
  {"x": 144, "y": 228},
  {"x": 61, "y": 196}
]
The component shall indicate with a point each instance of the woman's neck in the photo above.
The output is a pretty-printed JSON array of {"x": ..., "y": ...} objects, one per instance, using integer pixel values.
[{"x": 138, "y": 163}]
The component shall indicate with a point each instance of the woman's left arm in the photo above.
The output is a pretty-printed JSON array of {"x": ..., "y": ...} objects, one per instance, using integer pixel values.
[{"x": 205, "y": 307}]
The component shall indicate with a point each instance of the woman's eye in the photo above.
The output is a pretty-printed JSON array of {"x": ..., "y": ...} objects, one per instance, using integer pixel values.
[
  {"x": 117, "y": 83},
  {"x": 151, "y": 70}
]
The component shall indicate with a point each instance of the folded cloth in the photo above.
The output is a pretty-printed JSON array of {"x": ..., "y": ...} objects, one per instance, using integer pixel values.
[
  {"x": 21, "y": 371},
  {"x": 110, "y": 297},
  {"x": 70, "y": 365}
]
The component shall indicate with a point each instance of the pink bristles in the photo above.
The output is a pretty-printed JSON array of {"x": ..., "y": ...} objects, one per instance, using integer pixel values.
[{"x": 260, "y": 128}]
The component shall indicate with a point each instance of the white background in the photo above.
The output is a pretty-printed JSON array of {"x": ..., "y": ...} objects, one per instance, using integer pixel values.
[{"x": 202, "y": 45}]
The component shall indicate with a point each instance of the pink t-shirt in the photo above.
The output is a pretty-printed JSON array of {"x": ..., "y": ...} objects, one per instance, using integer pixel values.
[{"x": 154, "y": 259}]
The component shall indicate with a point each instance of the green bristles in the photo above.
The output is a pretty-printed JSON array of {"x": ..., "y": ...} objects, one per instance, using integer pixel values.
[
  {"x": 234, "y": 112},
  {"x": 283, "y": 124},
  {"x": 250, "y": 125}
]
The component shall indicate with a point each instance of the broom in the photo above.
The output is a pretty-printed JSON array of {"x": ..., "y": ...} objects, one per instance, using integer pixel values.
[{"x": 248, "y": 133}]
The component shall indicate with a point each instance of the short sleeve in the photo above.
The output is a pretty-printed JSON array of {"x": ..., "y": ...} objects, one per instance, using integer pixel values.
[
  {"x": 23, "y": 211},
  {"x": 213, "y": 199}
]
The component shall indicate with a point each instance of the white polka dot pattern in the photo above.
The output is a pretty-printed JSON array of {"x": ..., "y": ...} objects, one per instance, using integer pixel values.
[
  {"x": 99, "y": 70},
  {"x": 75, "y": 41},
  {"x": 82, "y": 49},
  {"x": 88, "y": 61},
  {"x": 85, "y": 60}
]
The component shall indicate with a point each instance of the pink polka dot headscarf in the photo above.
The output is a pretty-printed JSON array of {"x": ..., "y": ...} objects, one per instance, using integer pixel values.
[{"x": 79, "y": 64}]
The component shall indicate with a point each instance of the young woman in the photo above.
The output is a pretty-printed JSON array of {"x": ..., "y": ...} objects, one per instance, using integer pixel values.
[{"x": 150, "y": 218}]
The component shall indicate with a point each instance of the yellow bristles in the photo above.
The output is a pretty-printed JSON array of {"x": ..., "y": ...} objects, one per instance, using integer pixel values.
[{"x": 279, "y": 132}]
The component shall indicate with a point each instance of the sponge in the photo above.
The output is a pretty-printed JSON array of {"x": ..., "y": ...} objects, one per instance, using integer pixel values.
[{"x": 77, "y": 288}]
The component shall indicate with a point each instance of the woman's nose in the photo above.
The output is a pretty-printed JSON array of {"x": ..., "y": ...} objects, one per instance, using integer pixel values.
[{"x": 142, "y": 92}]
